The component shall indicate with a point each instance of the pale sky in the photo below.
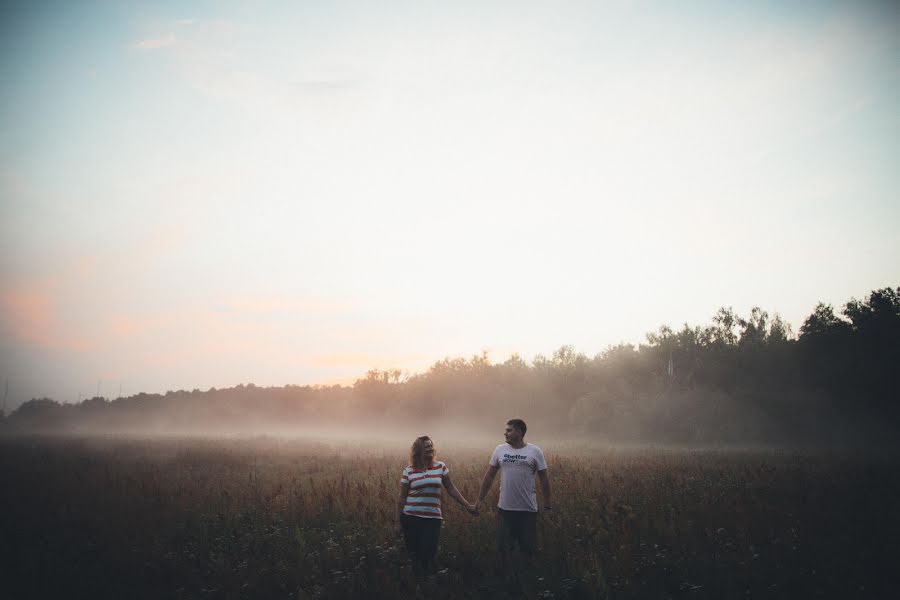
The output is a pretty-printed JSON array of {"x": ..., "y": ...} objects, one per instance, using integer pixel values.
[{"x": 199, "y": 194}]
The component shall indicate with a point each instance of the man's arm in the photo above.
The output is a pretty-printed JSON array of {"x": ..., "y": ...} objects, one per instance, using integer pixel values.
[
  {"x": 544, "y": 476},
  {"x": 486, "y": 483}
]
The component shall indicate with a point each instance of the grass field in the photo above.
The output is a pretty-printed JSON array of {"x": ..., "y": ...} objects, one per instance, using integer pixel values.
[{"x": 272, "y": 518}]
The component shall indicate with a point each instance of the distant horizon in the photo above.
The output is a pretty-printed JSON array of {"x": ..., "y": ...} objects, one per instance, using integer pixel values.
[
  {"x": 349, "y": 381},
  {"x": 794, "y": 330}
]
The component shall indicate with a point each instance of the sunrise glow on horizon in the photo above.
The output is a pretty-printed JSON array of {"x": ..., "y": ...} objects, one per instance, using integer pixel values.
[{"x": 202, "y": 194}]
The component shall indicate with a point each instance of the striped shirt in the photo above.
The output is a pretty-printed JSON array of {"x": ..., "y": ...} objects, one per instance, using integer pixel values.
[{"x": 424, "y": 497}]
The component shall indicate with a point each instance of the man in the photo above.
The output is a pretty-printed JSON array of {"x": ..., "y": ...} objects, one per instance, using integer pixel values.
[{"x": 518, "y": 462}]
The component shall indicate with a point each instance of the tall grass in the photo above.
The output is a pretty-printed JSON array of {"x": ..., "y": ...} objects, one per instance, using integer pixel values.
[{"x": 269, "y": 518}]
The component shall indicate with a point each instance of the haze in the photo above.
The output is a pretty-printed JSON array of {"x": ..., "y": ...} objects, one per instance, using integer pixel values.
[{"x": 202, "y": 194}]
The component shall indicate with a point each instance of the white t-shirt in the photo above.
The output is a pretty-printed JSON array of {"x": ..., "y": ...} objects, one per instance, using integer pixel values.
[{"x": 518, "y": 467}]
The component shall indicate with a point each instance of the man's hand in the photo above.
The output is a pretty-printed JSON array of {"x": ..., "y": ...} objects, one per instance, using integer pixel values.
[{"x": 478, "y": 505}]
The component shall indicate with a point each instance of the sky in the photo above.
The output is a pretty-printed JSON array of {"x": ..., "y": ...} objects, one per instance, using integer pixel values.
[{"x": 201, "y": 194}]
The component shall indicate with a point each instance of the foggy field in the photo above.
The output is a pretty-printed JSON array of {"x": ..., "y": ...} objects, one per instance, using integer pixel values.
[{"x": 276, "y": 518}]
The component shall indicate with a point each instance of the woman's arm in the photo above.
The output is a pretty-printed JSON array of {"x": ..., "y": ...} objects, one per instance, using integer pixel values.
[
  {"x": 401, "y": 502},
  {"x": 456, "y": 494}
]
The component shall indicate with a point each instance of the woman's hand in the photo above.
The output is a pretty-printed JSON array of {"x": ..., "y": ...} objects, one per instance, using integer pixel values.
[{"x": 473, "y": 510}]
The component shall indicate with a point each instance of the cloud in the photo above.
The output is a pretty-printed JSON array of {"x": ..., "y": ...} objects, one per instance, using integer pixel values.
[
  {"x": 155, "y": 43},
  {"x": 285, "y": 304},
  {"x": 364, "y": 362},
  {"x": 357, "y": 361},
  {"x": 324, "y": 85},
  {"x": 30, "y": 313}
]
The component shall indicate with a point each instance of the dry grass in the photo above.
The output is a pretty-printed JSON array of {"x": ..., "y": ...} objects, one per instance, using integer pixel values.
[{"x": 269, "y": 518}]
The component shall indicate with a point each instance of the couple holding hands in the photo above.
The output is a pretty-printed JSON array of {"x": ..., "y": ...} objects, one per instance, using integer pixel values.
[{"x": 419, "y": 504}]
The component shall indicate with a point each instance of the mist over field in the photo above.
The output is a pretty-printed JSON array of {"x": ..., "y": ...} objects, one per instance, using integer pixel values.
[{"x": 739, "y": 381}]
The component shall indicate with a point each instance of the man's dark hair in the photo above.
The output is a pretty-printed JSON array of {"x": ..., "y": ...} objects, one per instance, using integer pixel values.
[{"x": 518, "y": 424}]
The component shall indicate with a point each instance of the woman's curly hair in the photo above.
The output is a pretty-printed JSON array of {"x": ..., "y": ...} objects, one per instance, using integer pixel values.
[{"x": 417, "y": 453}]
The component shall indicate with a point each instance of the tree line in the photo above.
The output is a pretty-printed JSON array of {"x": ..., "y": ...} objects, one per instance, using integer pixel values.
[{"x": 740, "y": 378}]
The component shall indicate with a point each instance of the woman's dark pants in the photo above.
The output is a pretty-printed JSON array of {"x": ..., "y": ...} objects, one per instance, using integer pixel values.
[{"x": 421, "y": 535}]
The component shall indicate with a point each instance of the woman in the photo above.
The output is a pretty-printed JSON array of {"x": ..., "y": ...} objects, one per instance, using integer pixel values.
[{"x": 419, "y": 504}]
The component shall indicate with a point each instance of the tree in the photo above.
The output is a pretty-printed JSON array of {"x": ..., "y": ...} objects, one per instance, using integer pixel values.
[
  {"x": 878, "y": 315},
  {"x": 823, "y": 322},
  {"x": 724, "y": 324},
  {"x": 875, "y": 323},
  {"x": 779, "y": 330},
  {"x": 379, "y": 388},
  {"x": 755, "y": 329}
]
